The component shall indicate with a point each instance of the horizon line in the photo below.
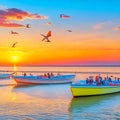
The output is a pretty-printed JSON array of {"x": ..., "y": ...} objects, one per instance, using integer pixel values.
[{"x": 61, "y": 65}]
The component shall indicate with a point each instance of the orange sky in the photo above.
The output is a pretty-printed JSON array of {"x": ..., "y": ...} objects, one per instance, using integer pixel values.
[{"x": 60, "y": 52}]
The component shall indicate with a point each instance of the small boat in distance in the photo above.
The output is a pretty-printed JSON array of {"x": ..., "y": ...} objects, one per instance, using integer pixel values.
[
  {"x": 4, "y": 76},
  {"x": 90, "y": 87},
  {"x": 56, "y": 79}
]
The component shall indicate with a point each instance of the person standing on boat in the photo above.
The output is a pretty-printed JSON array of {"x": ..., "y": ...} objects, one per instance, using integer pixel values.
[
  {"x": 48, "y": 74},
  {"x": 87, "y": 81},
  {"x": 102, "y": 82},
  {"x": 91, "y": 80},
  {"x": 51, "y": 74},
  {"x": 31, "y": 74},
  {"x": 109, "y": 79},
  {"x": 24, "y": 74},
  {"x": 45, "y": 75},
  {"x": 97, "y": 80}
]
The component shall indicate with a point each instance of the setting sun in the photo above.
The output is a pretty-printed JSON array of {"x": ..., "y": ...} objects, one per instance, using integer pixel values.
[{"x": 15, "y": 58}]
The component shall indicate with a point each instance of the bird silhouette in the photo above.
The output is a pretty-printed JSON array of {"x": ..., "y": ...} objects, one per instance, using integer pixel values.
[
  {"x": 28, "y": 26},
  {"x": 46, "y": 36},
  {"x": 69, "y": 30},
  {"x": 14, "y": 45},
  {"x": 13, "y": 32},
  {"x": 64, "y": 16}
]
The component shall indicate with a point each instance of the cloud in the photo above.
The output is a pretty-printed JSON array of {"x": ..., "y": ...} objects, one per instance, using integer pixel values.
[
  {"x": 100, "y": 25},
  {"x": 117, "y": 28},
  {"x": 7, "y": 16}
]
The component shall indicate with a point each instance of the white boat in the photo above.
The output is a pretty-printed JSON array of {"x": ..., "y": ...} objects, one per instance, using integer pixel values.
[
  {"x": 58, "y": 79},
  {"x": 4, "y": 76}
]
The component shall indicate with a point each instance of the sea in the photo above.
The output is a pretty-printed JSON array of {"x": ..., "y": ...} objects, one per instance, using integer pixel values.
[{"x": 55, "y": 102}]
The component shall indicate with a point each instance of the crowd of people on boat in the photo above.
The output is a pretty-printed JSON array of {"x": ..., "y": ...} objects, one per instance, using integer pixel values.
[
  {"x": 48, "y": 75},
  {"x": 99, "y": 80},
  {"x": 45, "y": 75}
]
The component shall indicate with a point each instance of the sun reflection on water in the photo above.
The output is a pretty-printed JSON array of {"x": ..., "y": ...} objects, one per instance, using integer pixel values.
[{"x": 15, "y": 67}]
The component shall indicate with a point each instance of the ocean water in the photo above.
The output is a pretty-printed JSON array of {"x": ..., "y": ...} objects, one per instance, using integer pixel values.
[{"x": 55, "y": 102}]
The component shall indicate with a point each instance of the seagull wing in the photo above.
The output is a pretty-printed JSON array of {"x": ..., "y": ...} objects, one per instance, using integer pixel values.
[
  {"x": 69, "y": 30},
  {"x": 64, "y": 16},
  {"x": 13, "y": 46},
  {"x": 12, "y": 32},
  {"x": 45, "y": 37},
  {"x": 47, "y": 40}
]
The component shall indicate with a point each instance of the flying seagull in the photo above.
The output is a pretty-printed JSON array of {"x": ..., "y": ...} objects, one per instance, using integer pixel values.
[
  {"x": 14, "y": 45},
  {"x": 64, "y": 16},
  {"x": 46, "y": 36},
  {"x": 28, "y": 26},
  {"x": 13, "y": 32},
  {"x": 69, "y": 30}
]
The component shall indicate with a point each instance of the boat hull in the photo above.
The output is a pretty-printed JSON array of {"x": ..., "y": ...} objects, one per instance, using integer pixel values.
[
  {"x": 78, "y": 91},
  {"x": 39, "y": 80},
  {"x": 5, "y": 76}
]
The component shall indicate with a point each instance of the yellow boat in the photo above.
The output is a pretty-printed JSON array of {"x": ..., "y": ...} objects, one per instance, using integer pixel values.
[{"x": 90, "y": 90}]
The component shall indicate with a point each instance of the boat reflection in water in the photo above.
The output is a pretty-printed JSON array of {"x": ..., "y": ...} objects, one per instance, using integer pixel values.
[
  {"x": 96, "y": 107},
  {"x": 61, "y": 91},
  {"x": 43, "y": 101}
]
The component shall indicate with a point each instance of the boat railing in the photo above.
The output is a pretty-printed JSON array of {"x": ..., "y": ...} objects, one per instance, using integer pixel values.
[
  {"x": 40, "y": 77},
  {"x": 94, "y": 83}
]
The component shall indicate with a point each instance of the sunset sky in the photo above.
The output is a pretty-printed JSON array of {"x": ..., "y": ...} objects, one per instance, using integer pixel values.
[{"x": 89, "y": 36}]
